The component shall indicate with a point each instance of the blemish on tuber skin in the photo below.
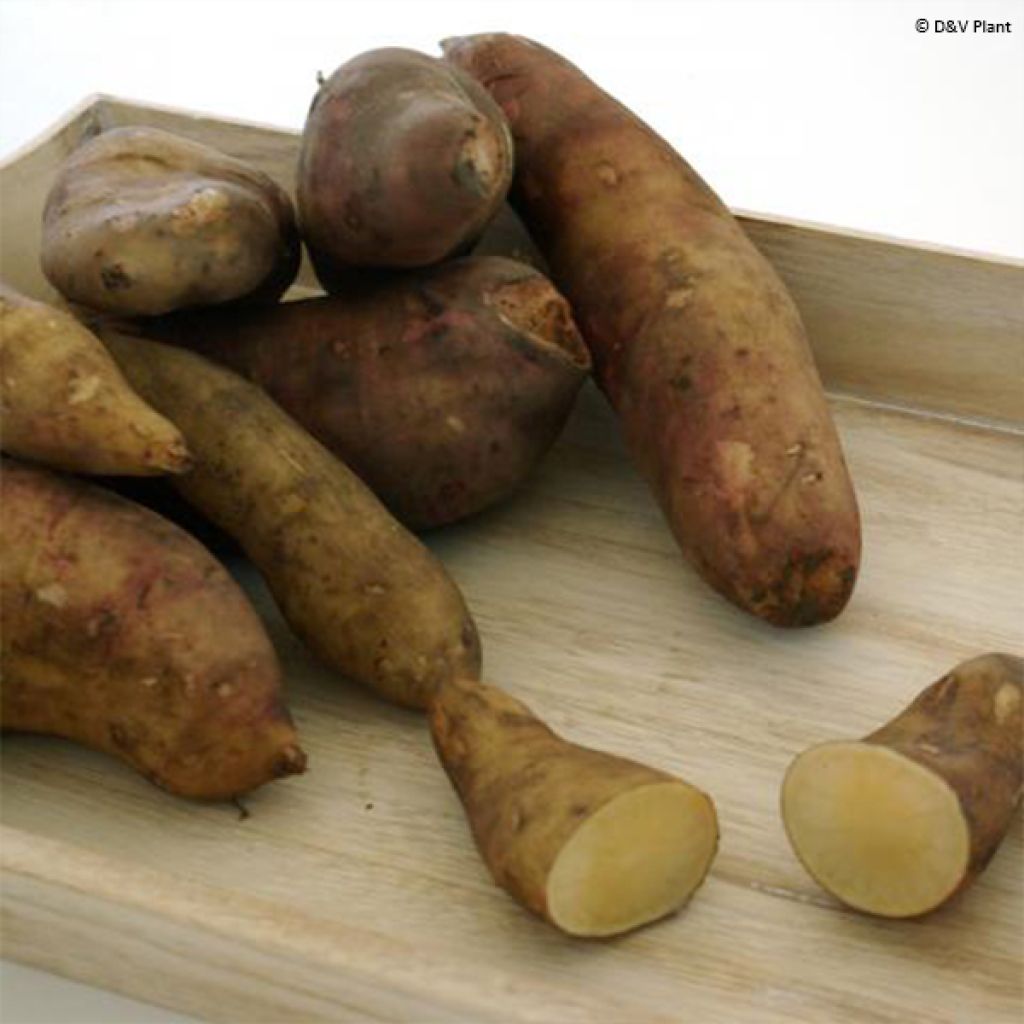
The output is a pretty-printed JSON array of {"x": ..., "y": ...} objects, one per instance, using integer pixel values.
[
  {"x": 677, "y": 298},
  {"x": 83, "y": 389},
  {"x": 115, "y": 277},
  {"x": 479, "y": 167},
  {"x": 1007, "y": 702},
  {"x": 607, "y": 174},
  {"x": 53, "y": 594}
]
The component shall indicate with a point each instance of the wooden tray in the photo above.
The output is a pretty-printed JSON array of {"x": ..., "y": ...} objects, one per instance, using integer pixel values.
[{"x": 354, "y": 892}]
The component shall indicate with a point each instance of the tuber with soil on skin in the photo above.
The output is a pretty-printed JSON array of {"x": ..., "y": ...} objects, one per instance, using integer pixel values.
[
  {"x": 64, "y": 402},
  {"x": 143, "y": 222},
  {"x": 404, "y": 161},
  {"x": 696, "y": 342},
  {"x": 360, "y": 591},
  {"x": 122, "y": 633},
  {"x": 594, "y": 843},
  {"x": 441, "y": 388},
  {"x": 898, "y": 823}
]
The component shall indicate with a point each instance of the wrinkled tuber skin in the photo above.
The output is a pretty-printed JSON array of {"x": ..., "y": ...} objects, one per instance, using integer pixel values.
[
  {"x": 363, "y": 594},
  {"x": 440, "y": 388},
  {"x": 64, "y": 402},
  {"x": 404, "y": 160},
  {"x": 143, "y": 222},
  {"x": 695, "y": 340},
  {"x": 968, "y": 728},
  {"x": 121, "y": 632}
]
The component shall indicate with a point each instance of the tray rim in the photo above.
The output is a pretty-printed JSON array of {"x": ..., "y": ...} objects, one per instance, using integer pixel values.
[{"x": 95, "y": 100}]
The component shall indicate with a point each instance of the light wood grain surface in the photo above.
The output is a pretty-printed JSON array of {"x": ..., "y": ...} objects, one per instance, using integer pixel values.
[{"x": 354, "y": 892}]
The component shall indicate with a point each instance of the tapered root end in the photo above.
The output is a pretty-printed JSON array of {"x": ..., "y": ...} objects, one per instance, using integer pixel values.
[
  {"x": 531, "y": 306},
  {"x": 174, "y": 457},
  {"x": 451, "y": 46},
  {"x": 640, "y": 857},
  {"x": 879, "y": 831},
  {"x": 482, "y": 166},
  {"x": 811, "y": 590},
  {"x": 290, "y": 761}
]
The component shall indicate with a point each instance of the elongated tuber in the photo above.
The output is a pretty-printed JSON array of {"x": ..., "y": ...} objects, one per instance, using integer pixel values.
[
  {"x": 364, "y": 594},
  {"x": 121, "y": 632},
  {"x": 696, "y": 341},
  {"x": 65, "y": 403}
]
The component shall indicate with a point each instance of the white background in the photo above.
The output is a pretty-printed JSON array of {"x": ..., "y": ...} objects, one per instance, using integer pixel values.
[{"x": 839, "y": 112}]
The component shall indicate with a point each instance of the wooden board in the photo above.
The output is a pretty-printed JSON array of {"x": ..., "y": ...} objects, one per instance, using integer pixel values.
[{"x": 354, "y": 892}]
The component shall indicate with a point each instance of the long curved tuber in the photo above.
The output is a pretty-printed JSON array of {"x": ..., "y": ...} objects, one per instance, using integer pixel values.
[
  {"x": 121, "y": 632},
  {"x": 364, "y": 594}
]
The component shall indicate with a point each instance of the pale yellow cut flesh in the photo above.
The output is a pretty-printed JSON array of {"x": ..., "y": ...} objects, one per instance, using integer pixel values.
[
  {"x": 879, "y": 831},
  {"x": 635, "y": 860}
]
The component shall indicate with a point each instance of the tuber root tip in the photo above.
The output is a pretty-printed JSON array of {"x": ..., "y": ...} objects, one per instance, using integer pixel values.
[{"x": 290, "y": 761}]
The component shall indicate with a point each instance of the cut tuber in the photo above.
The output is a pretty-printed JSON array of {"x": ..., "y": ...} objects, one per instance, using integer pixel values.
[
  {"x": 899, "y": 822},
  {"x": 594, "y": 843}
]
